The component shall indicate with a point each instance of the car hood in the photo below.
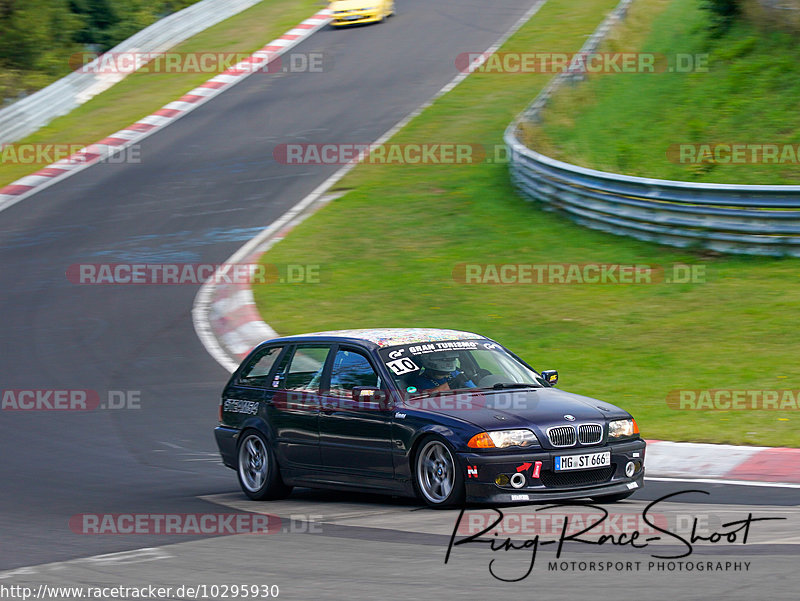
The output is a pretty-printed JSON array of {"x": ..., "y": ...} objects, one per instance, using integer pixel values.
[{"x": 529, "y": 407}]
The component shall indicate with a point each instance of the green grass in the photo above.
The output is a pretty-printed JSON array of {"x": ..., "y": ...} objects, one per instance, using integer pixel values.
[
  {"x": 140, "y": 94},
  {"x": 387, "y": 249},
  {"x": 626, "y": 122}
]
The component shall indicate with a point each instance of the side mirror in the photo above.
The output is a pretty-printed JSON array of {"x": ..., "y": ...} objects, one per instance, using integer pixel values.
[
  {"x": 369, "y": 394},
  {"x": 550, "y": 376}
]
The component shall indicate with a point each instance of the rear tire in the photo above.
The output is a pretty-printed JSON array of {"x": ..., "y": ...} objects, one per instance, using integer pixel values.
[
  {"x": 437, "y": 479},
  {"x": 258, "y": 470}
]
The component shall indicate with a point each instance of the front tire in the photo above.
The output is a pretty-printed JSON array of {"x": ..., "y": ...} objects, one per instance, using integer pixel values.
[
  {"x": 258, "y": 471},
  {"x": 436, "y": 476}
]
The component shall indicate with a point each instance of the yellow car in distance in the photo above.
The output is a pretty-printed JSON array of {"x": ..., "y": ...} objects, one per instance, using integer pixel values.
[{"x": 356, "y": 12}]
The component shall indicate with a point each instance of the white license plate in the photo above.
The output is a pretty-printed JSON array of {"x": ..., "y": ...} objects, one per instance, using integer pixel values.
[
  {"x": 351, "y": 18},
  {"x": 582, "y": 462}
]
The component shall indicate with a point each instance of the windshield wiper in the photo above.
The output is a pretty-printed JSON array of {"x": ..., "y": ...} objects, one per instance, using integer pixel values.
[{"x": 505, "y": 385}]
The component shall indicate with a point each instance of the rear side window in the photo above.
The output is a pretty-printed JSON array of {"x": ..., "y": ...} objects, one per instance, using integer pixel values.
[
  {"x": 304, "y": 369},
  {"x": 257, "y": 373}
]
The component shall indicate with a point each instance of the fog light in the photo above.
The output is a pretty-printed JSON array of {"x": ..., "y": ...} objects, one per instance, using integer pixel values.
[
  {"x": 630, "y": 467},
  {"x": 501, "y": 480}
]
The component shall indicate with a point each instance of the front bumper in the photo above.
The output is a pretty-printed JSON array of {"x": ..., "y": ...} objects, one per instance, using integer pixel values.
[
  {"x": 356, "y": 17},
  {"x": 481, "y": 470}
]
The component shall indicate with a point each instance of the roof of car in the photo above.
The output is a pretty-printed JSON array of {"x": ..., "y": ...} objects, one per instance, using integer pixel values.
[{"x": 394, "y": 336}]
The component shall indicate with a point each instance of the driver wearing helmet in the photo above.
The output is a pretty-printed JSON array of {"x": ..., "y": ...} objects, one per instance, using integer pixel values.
[{"x": 440, "y": 372}]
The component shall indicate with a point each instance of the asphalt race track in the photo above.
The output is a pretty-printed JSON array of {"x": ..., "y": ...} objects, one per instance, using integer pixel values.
[{"x": 204, "y": 186}]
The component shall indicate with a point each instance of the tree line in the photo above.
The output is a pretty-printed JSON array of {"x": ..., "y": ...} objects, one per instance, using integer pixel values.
[
  {"x": 37, "y": 37},
  {"x": 777, "y": 15}
]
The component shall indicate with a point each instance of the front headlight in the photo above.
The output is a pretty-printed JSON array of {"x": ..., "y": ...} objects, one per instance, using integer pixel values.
[
  {"x": 622, "y": 428},
  {"x": 501, "y": 439}
]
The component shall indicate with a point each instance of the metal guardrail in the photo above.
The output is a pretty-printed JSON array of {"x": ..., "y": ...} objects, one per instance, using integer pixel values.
[
  {"x": 758, "y": 220},
  {"x": 37, "y": 110}
]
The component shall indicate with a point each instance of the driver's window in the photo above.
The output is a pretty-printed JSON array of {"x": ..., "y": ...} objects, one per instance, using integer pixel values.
[{"x": 351, "y": 369}]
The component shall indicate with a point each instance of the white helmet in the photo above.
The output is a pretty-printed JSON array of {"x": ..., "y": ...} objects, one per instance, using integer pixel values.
[{"x": 441, "y": 362}]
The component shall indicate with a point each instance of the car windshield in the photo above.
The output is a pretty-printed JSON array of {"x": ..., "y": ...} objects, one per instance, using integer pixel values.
[{"x": 424, "y": 367}]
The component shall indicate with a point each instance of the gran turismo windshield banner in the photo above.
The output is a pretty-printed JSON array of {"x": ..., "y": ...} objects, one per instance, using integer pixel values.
[{"x": 401, "y": 359}]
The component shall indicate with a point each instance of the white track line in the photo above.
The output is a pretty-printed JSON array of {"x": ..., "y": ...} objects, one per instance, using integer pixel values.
[
  {"x": 723, "y": 481},
  {"x": 122, "y": 557}
]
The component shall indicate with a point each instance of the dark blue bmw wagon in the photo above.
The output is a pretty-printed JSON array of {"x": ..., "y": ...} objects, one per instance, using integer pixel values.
[{"x": 443, "y": 415}]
